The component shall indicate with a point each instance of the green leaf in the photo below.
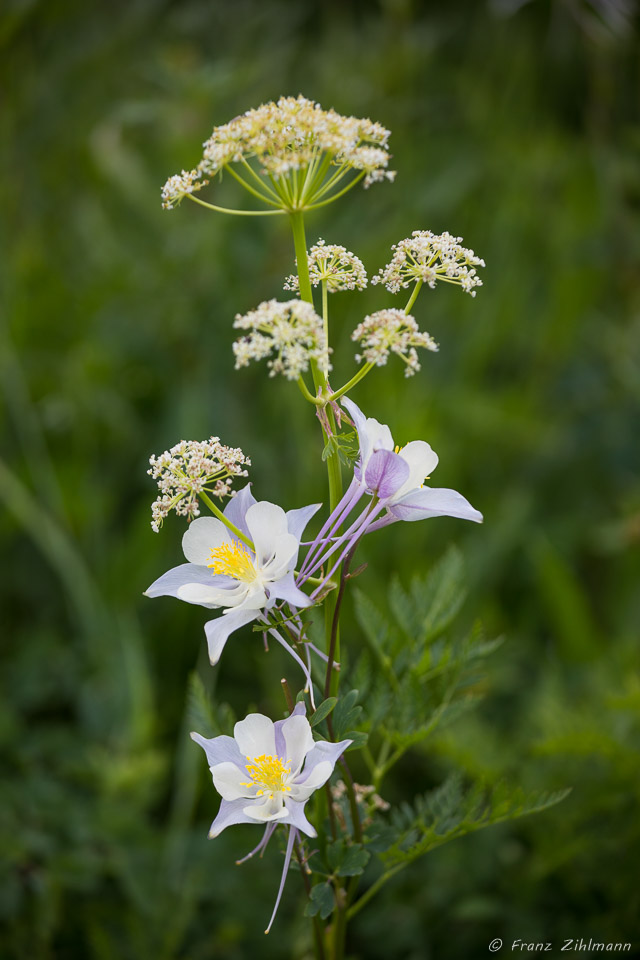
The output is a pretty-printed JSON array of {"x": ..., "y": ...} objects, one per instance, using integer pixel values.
[
  {"x": 321, "y": 901},
  {"x": 354, "y": 862},
  {"x": 449, "y": 812},
  {"x": 323, "y": 711},
  {"x": 346, "y": 714}
]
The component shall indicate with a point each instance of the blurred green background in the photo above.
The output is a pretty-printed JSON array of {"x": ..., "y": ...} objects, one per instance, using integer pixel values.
[{"x": 516, "y": 126}]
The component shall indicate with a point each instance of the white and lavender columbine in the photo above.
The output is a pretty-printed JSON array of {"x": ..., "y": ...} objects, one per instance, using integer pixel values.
[
  {"x": 393, "y": 478},
  {"x": 266, "y": 773},
  {"x": 223, "y": 571}
]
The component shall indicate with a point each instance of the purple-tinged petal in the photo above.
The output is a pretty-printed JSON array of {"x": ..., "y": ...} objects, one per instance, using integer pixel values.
[
  {"x": 297, "y": 817},
  {"x": 286, "y": 589},
  {"x": 231, "y": 812},
  {"x": 299, "y": 710},
  {"x": 434, "y": 502},
  {"x": 298, "y": 519},
  {"x": 218, "y": 631},
  {"x": 322, "y": 751},
  {"x": 170, "y": 582},
  {"x": 386, "y": 472},
  {"x": 219, "y": 749},
  {"x": 237, "y": 507}
]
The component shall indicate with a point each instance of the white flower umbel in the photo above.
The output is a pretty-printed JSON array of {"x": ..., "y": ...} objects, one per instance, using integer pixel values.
[
  {"x": 428, "y": 257},
  {"x": 190, "y": 468},
  {"x": 266, "y": 773},
  {"x": 224, "y": 572},
  {"x": 290, "y": 333},
  {"x": 334, "y": 265},
  {"x": 179, "y": 185},
  {"x": 294, "y": 133},
  {"x": 391, "y": 331}
]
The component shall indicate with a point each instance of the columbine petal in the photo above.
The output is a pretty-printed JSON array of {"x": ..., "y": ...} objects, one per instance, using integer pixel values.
[
  {"x": 321, "y": 772},
  {"x": 255, "y": 735},
  {"x": 298, "y": 519},
  {"x": 298, "y": 738},
  {"x": 299, "y": 710},
  {"x": 422, "y": 461},
  {"x": 218, "y": 631},
  {"x": 385, "y": 473},
  {"x": 203, "y": 536},
  {"x": 434, "y": 502},
  {"x": 270, "y": 810},
  {"x": 219, "y": 749},
  {"x": 265, "y": 521},
  {"x": 322, "y": 751},
  {"x": 372, "y": 435},
  {"x": 231, "y": 781},
  {"x": 170, "y": 582},
  {"x": 207, "y": 595},
  {"x": 285, "y": 550}
]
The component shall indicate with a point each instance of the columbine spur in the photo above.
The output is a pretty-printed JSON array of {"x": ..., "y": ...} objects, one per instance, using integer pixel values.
[
  {"x": 266, "y": 773},
  {"x": 224, "y": 571}
]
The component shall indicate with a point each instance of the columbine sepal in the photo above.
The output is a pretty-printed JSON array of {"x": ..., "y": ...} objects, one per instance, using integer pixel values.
[{"x": 266, "y": 773}]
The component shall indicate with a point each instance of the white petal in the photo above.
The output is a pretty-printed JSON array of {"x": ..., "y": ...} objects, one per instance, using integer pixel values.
[
  {"x": 298, "y": 739},
  {"x": 254, "y": 736},
  {"x": 228, "y": 780},
  {"x": 212, "y": 596},
  {"x": 422, "y": 461},
  {"x": 271, "y": 810},
  {"x": 317, "y": 778},
  {"x": 285, "y": 552},
  {"x": 203, "y": 536},
  {"x": 265, "y": 521}
]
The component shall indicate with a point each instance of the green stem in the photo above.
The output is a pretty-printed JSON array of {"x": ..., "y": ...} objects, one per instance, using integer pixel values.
[
  {"x": 340, "y": 193},
  {"x": 252, "y": 190},
  {"x": 261, "y": 180},
  {"x": 373, "y": 889},
  {"x": 414, "y": 295},
  {"x": 220, "y": 515},
  {"x": 360, "y": 375},
  {"x": 237, "y": 213},
  {"x": 304, "y": 390},
  {"x": 325, "y": 320}
]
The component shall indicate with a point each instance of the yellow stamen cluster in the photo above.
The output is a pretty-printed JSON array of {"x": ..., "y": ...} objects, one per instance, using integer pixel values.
[
  {"x": 234, "y": 560},
  {"x": 270, "y": 773}
]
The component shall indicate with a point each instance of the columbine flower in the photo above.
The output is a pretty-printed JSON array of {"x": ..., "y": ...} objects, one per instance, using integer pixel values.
[
  {"x": 179, "y": 185},
  {"x": 190, "y": 468},
  {"x": 392, "y": 331},
  {"x": 266, "y": 773},
  {"x": 396, "y": 475},
  {"x": 427, "y": 257},
  {"x": 291, "y": 332},
  {"x": 334, "y": 265},
  {"x": 223, "y": 572},
  {"x": 394, "y": 478}
]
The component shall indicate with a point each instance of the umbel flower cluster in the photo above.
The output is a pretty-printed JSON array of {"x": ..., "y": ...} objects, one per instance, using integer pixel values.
[
  {"x": 333, "y": 265},
  {"x": 253, "y": 564},
  {"x": 190, "y": 469},
  {"x": 427, "y": 257},
  {"x": 291, "y": 154},
  {"x": 290, "y": 333}
]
